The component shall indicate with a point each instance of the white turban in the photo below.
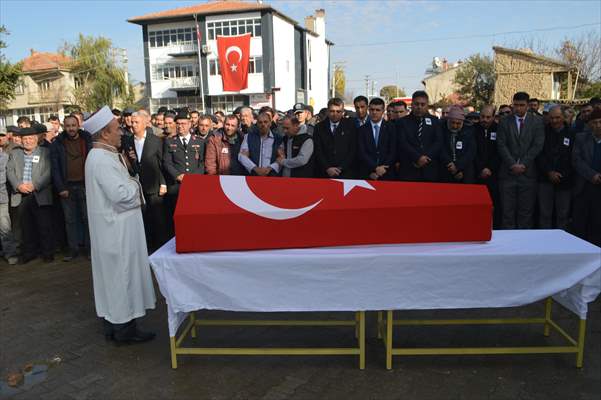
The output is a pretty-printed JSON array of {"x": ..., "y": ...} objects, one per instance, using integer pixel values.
[{"x": 98, "y": 120}]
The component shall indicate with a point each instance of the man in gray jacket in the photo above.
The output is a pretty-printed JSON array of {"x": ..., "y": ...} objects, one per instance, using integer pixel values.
[
  {"x": 520, "y": 137},
  {"x": 28, "y": 171}
]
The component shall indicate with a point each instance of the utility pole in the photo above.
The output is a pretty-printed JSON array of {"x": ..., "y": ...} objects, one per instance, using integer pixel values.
[{"x": 366, "y": 85}]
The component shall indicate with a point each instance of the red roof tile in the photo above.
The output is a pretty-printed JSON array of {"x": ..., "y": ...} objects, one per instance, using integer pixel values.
[
  {"x": 212, "y": 7},
  {"x": 39, "y": 61}
]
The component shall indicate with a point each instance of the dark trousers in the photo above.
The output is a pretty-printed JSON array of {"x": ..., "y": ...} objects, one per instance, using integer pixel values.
[
  {"x": 587, "y": 214},
  {"x": 550, "y": 199},
  {"x": 518, "y": 198},
  {"x": 36, "y": 225},
  {"x": 155, "y": 221},
  {"x": 492, "y": 184},
  {"x": 76, "y": 217}
]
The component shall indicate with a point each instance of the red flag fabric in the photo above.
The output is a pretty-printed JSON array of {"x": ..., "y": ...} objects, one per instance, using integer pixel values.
[
  {"x": 234, "y": 54},
  {"x": 245, "y": 213}
]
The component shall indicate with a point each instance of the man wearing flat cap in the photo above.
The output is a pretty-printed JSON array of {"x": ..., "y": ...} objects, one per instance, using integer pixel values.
[
  {"x": 28, "y": 171},
  {"x": 459, "y": 149},
  {"x": 123, "y": 289},
  {"x": 586, "y": 161}
]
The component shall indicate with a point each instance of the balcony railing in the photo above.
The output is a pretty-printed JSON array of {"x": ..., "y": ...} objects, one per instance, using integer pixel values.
[
  {"x": 182, "y": 48},
  {"x": 185, "y": 83}
]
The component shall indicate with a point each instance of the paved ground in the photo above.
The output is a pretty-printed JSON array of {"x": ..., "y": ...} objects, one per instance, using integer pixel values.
[{"x": 47, "y": 311}]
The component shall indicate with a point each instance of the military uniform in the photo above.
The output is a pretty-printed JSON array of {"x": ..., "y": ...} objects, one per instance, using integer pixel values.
[{"x": 180, "y": 158}]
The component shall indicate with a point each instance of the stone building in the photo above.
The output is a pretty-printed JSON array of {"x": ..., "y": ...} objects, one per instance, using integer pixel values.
[{"x": 547, "y": 79}]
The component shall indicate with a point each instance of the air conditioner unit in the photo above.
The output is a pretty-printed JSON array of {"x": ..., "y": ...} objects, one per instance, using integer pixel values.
[{"x": 206, "y": 49}]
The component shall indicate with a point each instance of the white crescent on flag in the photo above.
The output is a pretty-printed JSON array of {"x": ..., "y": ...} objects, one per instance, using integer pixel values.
[
  {"x": 238, "y": 192},
  {"x": 236, "y": 189},
  {"x": 233, "y": 49}
]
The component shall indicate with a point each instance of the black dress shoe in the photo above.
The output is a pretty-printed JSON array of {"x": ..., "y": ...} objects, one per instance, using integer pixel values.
[{"x": 136, "y": 337}]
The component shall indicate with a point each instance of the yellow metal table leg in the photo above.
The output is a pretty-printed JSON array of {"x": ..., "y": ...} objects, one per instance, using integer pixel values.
[
  {"x": 379, "y": 325},
  {"x": 361, "y": 339},
  {"x": 173, "y": 352},
  {"x": 389, "y": 324},
  {"x": 193, "y": 320},
  {"x": 581, "y": 335},
  {"x": 548, "y": 307}
]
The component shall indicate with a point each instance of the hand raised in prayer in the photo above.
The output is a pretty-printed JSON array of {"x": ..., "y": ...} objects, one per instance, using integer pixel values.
[
  {"x": 162, "y": 190},
  {"x": 485, "y": 173},
  {"x": 452, "y": 168},
  {"x": 64, "y": 194},
  {"x": 381, "y": 170},
  {"x": 333, "y": 172},
  {"x": 423, "y": 160}
]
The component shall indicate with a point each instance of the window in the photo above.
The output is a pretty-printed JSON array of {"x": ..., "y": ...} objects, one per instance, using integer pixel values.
[
  {"x": 310, "y": 79},
  {"x": 174, "y": 71},
  {"x": 25, "y": 112},
  {"x": 235, "y": 27},
  {"x": 255, "y": 66},
  {"x": 44, "y": 86},
  {"x": 20, "y": 88},
  {"x": 171, "y": 37},
  {"x": 78, "y": 82},
  {"x": 309, "y": 49},
  {"x": 227, "y": 103},
  {"x": 46, "y": 112}
]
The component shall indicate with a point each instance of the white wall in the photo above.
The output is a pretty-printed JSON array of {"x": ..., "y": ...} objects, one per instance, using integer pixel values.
[
  {"x": 283, "y": 51},
  {"x": 317, "y": 96}
]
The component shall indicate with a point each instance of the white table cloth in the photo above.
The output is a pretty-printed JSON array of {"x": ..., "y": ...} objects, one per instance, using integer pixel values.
[{"x": 515, "y": 268}]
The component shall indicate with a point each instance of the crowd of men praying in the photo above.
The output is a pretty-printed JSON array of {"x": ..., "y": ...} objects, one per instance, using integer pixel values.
[{"x": 542, "y": 169}]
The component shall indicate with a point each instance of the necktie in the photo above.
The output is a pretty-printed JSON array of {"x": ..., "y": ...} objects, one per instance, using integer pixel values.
[
  {"x": 376, "y": 133},
  {"x": 334, "y": 126},
  {"x": 185, "y": 143},
  {"x": 521, "y": 120},
  {"x": 420, "y": 127}
]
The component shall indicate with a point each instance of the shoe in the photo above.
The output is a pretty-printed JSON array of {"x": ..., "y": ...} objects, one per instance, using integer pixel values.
[
  {"x": 136, "y": 337},
  {"x": 48, "y": 259},
  {"x": 12, "y": 260}
]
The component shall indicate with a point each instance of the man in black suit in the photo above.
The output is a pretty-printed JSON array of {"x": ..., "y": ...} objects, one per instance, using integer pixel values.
[
  {"x": 145, "y": 152},
  {"x": 376, "y": 148},
  {"x": 586, "y": 161},
  {"x": 487, "y": 159},
  {"x": 520, "y": 138},
  {"x": 336, "y": 143},
  {"x": 360, "y": 103},
  {"x": 419, "y": 139}
]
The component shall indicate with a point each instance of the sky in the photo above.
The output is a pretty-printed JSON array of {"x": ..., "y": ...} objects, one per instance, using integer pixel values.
[{"x": 392, "y": 41}]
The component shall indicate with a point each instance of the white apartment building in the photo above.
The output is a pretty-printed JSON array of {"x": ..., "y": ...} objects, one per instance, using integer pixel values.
[{"x": 288, "y": 63}]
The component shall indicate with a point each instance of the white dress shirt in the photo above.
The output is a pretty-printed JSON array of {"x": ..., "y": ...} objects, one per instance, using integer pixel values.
[{"x": 139, "y": 143}]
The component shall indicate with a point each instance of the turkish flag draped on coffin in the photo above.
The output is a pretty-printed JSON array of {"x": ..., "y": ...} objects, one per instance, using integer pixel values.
[
  {"x": 234, "y": 52},
  {"x": 246, "y": 213}
]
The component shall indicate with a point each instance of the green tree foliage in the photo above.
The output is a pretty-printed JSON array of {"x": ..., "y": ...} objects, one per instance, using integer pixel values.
[
  {"x": 100, "y": 80},
  {"x": 476, "y": 80},
  {"x": 9, "y": 74},
  {"x": 391, "y": 91}
]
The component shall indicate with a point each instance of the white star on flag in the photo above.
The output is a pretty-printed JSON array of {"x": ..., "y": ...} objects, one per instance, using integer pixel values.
[
  {"x": 234, "y": 68},
  {"x": 350, "y": 184}
]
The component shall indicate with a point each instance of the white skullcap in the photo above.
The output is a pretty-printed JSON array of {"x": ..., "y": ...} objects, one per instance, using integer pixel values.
[{"x": 98, "y": 120}]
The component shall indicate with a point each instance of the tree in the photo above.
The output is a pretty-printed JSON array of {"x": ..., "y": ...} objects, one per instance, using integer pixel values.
[
  {"x": 99, "y": 79},
  {"x": 9, "y": 74},
  {"x": 390, "y": 91},
  {"x": 476, "y": 80},
  {"x": 583, "y": 53},
  {"x": 339, "y": 81}
]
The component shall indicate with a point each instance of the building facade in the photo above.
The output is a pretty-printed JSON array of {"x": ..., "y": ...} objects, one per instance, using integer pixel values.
[
  {"x": 288, "y": 63},
  {"x": 541, "y": 77},
  {"x": 43, "y": 90}
]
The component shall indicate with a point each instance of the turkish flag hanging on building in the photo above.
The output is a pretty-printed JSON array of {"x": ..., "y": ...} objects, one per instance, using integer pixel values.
[
  {"x": 247, "y": 213},
  {"x": 234, "y": 53}
]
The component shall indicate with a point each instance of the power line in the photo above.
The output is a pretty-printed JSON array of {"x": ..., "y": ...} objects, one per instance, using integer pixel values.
[{"x": 475, "y": 36}]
